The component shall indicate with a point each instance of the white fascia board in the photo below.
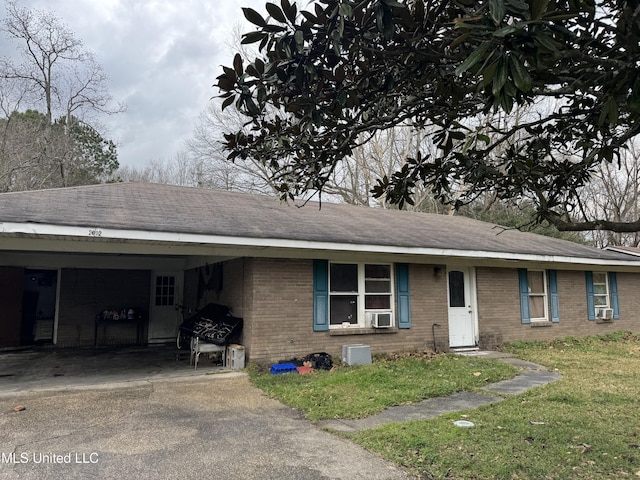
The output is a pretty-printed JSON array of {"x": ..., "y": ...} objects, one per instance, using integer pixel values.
[{"x": 109, "y": 235}]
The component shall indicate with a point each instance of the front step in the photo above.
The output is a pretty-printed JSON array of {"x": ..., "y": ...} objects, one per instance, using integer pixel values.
[{"x": 464, "y": 349}]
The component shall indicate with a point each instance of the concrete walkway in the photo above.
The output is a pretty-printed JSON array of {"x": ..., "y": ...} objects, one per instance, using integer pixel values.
[{"x": 532, "y": 375}]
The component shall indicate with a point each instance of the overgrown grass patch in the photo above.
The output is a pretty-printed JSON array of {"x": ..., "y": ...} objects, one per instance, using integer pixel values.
[
  {"x": 585, "y": 425},
  {"x": 361, "y": 390}
]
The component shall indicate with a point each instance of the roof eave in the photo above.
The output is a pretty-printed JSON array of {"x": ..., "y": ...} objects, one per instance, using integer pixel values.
[{"x": 279, "y": 244}]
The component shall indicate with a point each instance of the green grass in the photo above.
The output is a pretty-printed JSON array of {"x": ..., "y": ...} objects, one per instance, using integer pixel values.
[
  {"x": 585, "y": 426},
  {"x": 361, "y": 390}
]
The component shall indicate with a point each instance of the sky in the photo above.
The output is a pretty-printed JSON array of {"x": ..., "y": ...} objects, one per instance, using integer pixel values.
[{"x": 162, "y": 58}]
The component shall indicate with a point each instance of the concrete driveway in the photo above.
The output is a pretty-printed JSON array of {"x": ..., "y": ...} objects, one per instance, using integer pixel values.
[{"x": 209, "y": 426}]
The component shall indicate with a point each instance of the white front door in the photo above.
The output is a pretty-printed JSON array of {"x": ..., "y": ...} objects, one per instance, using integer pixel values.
[
  {"x": 164, "y": 312},
  {"x": 461, "y": 296}
]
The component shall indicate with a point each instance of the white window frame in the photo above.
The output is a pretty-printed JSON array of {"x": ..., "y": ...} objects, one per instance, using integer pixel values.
[
  {"x": 544, "y": 294},
  {"x": 606, "y": 295},
  {"x": 361, "y": 294}
]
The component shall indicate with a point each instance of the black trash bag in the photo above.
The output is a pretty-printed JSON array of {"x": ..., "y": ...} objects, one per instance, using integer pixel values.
[{"x": 319, "y": 360}]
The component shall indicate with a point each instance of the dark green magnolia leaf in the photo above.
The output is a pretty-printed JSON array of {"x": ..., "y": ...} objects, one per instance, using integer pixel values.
[
  {"x": 497, "y": 10},
  {"x": 226, "y": 83},
  {"x": 345, "y": 10},
  {"x": 228, "y": 101},
  {"x": 547, "y": 42},
  {"x": 609, "y": 112},
  {"x": 503, "y": 32},
  {"x": 251, "y": 70},
  {"x": 520, "y": 75},
  {"x": 500, "y": 78},
  {"x": 290, "y": 10},
  {"x": 275, "y": 12},
  {"x": 538, "y": 7},
  {"x": 237, "y": 64},
  {"x": 488, "y": 73},
  {"x": 477, "y": 55},
  {"x": 254, "y": 17},
  {"x": 310, "y": 17},
  {"x": 253, "y": 37}
]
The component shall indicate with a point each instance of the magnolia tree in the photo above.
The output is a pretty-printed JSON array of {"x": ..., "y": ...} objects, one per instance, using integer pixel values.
[{"x": 331, "y": 77}]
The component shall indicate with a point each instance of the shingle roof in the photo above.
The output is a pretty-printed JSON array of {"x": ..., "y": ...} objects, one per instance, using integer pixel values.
[{"x": 165, "y": 208}]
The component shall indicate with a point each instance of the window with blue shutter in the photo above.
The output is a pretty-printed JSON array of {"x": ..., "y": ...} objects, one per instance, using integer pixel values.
[{"x": 602, "y": 294}]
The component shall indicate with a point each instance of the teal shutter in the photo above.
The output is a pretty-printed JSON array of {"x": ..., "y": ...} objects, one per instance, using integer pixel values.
[
  {"x": 523, "y": 278},
  {"x": 613, "y": 293},
  {"x": 320, "y": 295},
  {"x": 404, "y": 304},
  {"x": 591, "y": 305},
  {"x": 555, "y": 301}
]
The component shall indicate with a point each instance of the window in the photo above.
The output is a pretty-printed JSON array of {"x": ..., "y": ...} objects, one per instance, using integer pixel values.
[
  {"x": 357, "y": 289},
  {"x": 602, "y": 296},
  {"x": 456, "y": 289},
  {"x": 600, "y": 290},
  {"x": 538, "y": 295},
  {"x": 165, "y": 290}
]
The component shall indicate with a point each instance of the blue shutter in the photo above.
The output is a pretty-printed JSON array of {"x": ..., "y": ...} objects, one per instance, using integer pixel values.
[
  {"x": 320, "y": 295},
  {"x": 555, "y": 301},
  {"x": 404, "y": 305},
  {"x": 613, "y": 293},
  {"x": 523, "y": 278},
  {"x": 591, "y": 305}
]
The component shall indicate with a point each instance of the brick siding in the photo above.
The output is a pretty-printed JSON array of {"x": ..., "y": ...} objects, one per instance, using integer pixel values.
[
  {"x": 275, "y": 299},
  {"x": 499, "y": 308},
  {"x": 277, "y": 309}
]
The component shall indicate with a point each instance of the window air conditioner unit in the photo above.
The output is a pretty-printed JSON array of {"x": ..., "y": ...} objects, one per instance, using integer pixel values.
[
  {"x": 604, "y": 313},
  {"x": 381, "y": 319}
]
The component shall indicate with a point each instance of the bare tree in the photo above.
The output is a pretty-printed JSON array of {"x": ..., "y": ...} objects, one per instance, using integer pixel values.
[
  {"x": 209, "y": 163},
  {"x": 614, "y": 194},
  {"x": 56, "y": 76}
]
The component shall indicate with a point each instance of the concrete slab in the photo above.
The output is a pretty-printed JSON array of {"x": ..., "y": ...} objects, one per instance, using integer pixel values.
[
  {"x": 523, "y": 382},
  {"x": 48, "y": 369},
  {"x": 424, "y": 410}
]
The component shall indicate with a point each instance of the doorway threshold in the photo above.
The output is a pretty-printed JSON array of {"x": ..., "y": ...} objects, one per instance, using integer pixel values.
[{"x": 464, "y": 349}]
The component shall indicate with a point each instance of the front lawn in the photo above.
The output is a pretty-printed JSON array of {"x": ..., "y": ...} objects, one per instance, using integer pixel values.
[
  {"x": 361, "y": 390},
  {"x": 585, "y": 426}
]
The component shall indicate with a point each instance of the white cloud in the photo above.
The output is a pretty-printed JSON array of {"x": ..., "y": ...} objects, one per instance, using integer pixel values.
[{"x": 162, "y": 58}]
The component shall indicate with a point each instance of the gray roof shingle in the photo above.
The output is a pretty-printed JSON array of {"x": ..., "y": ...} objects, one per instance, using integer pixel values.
[{"x": 166, "y": 208}]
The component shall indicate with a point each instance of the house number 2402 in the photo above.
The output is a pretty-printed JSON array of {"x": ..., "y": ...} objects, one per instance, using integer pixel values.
[{"x": 95, "y": 233}]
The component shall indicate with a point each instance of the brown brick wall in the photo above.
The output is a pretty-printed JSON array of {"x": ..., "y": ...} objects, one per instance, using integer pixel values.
[
  {"x": 85, "y": 292},
  {"x": 499, "y": 308},
  {"x": 275, "y": 299},
  {"x": 278, "y": 314}
]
